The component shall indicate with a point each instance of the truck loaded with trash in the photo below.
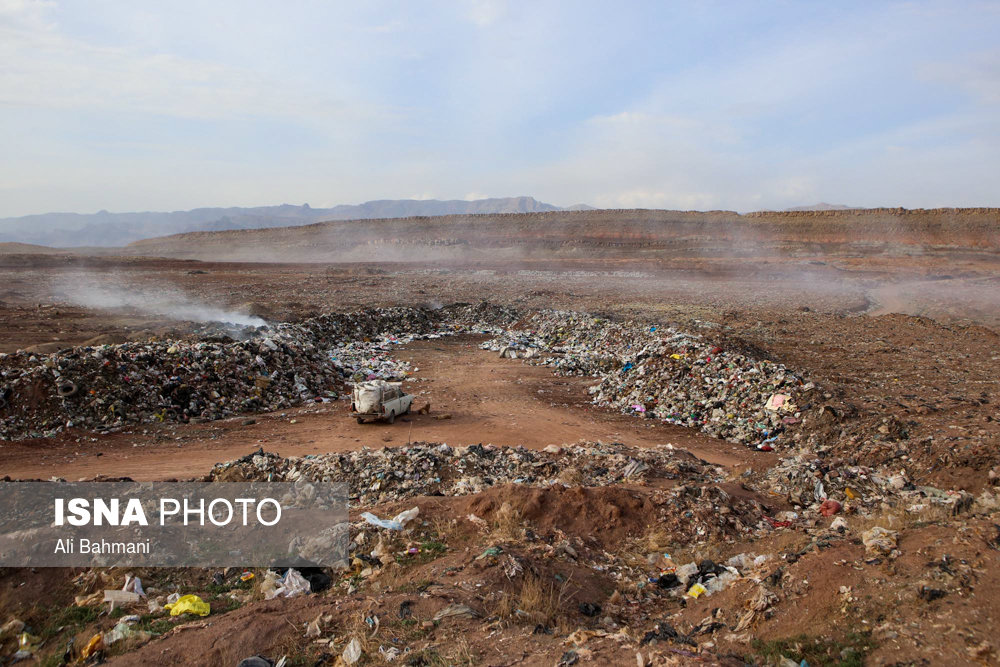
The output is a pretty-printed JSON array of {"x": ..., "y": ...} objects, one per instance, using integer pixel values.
[{"x": 380, "y": 400}]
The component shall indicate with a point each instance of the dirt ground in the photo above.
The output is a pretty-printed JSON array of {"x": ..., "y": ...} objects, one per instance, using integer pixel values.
[
  {"x": 486, "y": 400},
  {"x": 908, "y": 343}
]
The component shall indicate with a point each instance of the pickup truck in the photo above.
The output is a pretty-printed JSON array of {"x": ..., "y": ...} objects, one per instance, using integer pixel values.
[{"x": 378, "y": 400}]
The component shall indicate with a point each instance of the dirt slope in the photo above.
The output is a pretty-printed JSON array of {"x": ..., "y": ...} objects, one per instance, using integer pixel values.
[{"x": 605, "y": 233}]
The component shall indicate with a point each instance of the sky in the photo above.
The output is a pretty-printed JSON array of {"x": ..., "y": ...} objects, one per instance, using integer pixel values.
[{"x": 127, "y": 105}]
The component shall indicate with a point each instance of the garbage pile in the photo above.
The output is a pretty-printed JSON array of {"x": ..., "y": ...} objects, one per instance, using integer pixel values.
[
  {"x": 815, "y": 482},
  {"x": 707, "y": 577},
  {"x": 663, "y": 373},
  {"x": 108, "y": 386},
  {"x": 394, "y": 473},
  {"x": 700, "y": 513},
  {"x": 695, "y": 511}
]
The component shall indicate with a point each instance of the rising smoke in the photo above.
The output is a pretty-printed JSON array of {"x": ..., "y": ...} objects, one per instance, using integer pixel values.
[{"x": 108, "y": 292}]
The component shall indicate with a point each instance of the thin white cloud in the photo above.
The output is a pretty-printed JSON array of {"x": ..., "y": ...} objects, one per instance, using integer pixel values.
[
  {"x": 45, "y": 68},
  {"x": 978, "y": 75},
  {"x": 484, "y": 13}
]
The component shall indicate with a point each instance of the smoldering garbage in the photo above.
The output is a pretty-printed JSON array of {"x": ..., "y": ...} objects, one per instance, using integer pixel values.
[
  {"x": 646, "y": 370},
  {"x": 109, "y": 386},
  {"x": 664, "y": 373}
]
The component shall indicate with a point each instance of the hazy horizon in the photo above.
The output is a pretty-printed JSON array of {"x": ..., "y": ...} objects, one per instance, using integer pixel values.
[{"x": 803, "y": 206}]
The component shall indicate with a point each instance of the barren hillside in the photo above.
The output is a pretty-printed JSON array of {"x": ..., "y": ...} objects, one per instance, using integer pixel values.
[{"x": 580, "y": 234}]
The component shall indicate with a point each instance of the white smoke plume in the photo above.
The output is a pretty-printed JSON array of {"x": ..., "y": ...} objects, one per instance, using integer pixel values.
[{"x": 111, "y": 293}]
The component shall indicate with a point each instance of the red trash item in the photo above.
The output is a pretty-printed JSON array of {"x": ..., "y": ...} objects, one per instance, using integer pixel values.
[{"x": 829, "y": 507}]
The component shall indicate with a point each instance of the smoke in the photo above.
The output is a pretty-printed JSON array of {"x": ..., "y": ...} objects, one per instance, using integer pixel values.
[{"x": 109, "y": 293}]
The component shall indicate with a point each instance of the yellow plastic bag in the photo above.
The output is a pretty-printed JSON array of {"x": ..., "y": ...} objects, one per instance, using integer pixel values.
[
  {"x": 696, "y": 590},
  {"x": 188, "y": 604},
  {"x": 95, "y": 644}
]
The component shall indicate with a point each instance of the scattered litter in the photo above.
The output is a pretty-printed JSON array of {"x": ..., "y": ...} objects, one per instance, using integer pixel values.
[
  {"x": 879, "y": 541},
  {"x": 396, "y": 523},
  {"x": 26, "y": 644},
  {"x": 133, "y": 585},
  {"x": 352, "y": 652},
  {"x": 292, "y": 583},
  {"x": 188, "y": 604},
  {"x": 829, "y": 507},
  {"x": 94, "y": 646},
  {"x": 120, "y": 597},
  {"x": 696, "y": 591},
  {"x": 125, "y": 631},
  {"x": 456, "y": 611},
  {"x": 256, "y": 661},
  {"x": 315, "y": 627},
  {"x": 389, "y": 654}
]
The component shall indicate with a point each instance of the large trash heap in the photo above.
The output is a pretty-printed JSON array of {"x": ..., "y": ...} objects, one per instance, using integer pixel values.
[
  {"x": 663, "y": 373},
  {"x": 109, "y": 386},
  {"x": 696, "y": 509},
  {"x": 643, "y": 369}
]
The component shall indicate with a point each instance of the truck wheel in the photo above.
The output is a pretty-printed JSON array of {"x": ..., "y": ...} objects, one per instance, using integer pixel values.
[
  {"x": 360, "y": 420},
  {"x": 392, "y": 417}
]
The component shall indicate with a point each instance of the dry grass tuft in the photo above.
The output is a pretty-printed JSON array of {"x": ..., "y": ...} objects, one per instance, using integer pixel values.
[
  {"x": 897, "y": 518},
  {"x": 570, "y": 476},
  {"x": 443, "y": 527},
  {"x": 508, "y": 523},
  {"x": 536, "y": 602},
  {"x": 462, "y": 654}
]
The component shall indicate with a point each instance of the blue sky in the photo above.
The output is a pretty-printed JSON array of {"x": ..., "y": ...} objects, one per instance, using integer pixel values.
[{"x": 126, "y": 105}]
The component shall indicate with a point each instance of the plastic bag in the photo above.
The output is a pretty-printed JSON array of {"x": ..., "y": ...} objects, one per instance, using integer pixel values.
[
  {"x": 879, "y": 540},
  {"x": 352, "y": 653},
  {"x": 292, "y": 584},
  {"x": 188, "y": 604},
  {"x": 133, "y": 585},
  {"x": 395, "y": 523},
  {"x": 95, "y": 644},
  {"x": 696, "y": 590}
]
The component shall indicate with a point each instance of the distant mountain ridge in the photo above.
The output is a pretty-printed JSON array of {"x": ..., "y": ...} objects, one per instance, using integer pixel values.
[
  {"x": 822, "y": 206},
  {"x": 118, "y": 229}
]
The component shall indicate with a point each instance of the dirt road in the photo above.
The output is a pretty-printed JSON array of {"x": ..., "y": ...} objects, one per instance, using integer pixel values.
[{"x": 489, "y": 400}]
